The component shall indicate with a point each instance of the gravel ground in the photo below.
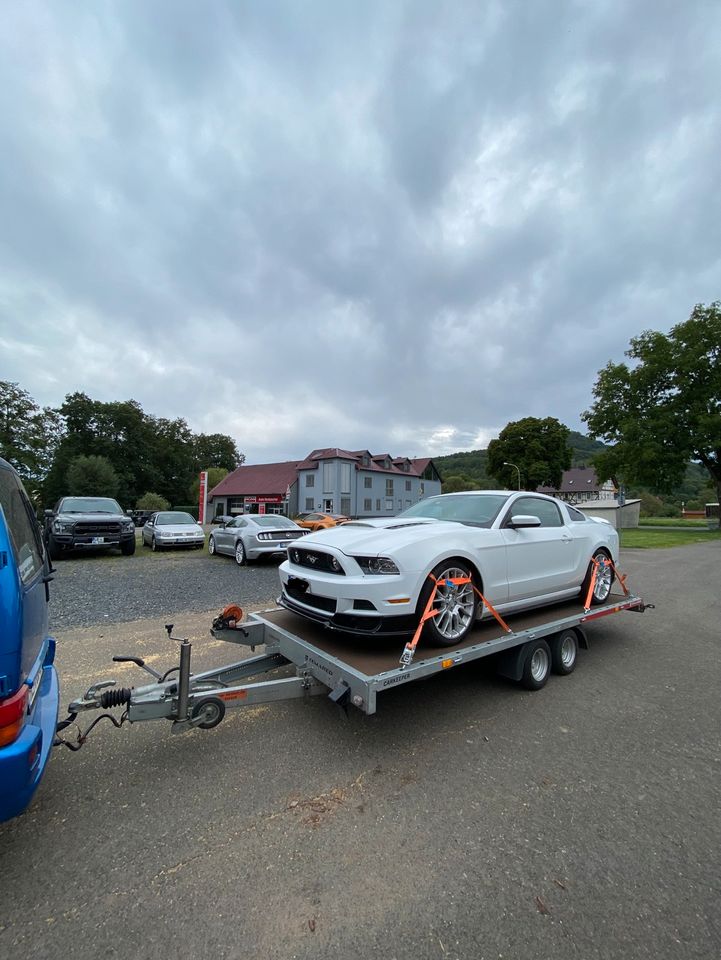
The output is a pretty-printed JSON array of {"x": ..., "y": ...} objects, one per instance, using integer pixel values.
[{"x": 111, "y": 588}]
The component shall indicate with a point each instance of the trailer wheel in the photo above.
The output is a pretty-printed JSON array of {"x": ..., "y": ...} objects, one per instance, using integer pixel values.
[
  {"x": 536, "y": 665},
  {"x": 564, "y": 652},
  {"x": 212, "y": 709}
]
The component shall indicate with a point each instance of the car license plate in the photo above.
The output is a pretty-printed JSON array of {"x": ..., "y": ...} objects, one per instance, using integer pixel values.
[{"x": 97, "y": 540}]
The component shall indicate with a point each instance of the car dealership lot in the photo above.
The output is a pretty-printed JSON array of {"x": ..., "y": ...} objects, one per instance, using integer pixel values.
[{"x": 465, "y": 819}]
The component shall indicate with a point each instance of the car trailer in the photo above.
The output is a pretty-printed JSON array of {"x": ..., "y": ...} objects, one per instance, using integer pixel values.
[{"x": 351, "y": 670}]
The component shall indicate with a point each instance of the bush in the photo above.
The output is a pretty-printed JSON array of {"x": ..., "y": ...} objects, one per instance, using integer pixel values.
[
  {"x": 152, "y": 501},
  {"x": 193, "y": 510}
]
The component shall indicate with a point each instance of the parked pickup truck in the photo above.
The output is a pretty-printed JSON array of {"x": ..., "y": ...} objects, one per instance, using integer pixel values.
[
  {"x": 28, "y": 680},
  {"x": 88, "y": 523}
]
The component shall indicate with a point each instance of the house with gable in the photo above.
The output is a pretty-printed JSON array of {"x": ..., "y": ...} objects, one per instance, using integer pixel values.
[{"x": 355, "y": 483}]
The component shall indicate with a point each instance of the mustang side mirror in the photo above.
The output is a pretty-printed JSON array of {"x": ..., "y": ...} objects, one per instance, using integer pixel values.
[{"x": 522, "y": 520}]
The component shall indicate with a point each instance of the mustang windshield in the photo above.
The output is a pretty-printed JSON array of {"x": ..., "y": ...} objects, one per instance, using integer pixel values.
[{"x": 473, "y": 509}]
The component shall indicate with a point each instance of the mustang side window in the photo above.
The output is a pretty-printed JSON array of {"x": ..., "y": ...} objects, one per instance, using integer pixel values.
[{"x": 546, "y": 511}]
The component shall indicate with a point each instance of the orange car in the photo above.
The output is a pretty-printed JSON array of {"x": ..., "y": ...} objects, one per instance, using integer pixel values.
[{"x": 320, "y": 521}]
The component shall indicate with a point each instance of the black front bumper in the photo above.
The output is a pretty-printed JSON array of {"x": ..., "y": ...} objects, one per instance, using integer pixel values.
[{"x": 348, "y": 623}]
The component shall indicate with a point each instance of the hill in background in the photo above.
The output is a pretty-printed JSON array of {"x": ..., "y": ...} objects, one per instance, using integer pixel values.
[{"x": 472, "y": 463}]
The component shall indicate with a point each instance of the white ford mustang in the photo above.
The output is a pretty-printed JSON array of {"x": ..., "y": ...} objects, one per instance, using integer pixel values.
[{"x": 521, "y": 550}]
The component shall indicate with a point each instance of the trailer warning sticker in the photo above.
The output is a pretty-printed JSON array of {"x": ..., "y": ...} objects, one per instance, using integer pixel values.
[{"x": 233, "y": 695}]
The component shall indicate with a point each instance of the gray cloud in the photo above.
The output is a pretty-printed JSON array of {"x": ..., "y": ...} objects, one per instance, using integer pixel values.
[{"x": 418, "y": 221}]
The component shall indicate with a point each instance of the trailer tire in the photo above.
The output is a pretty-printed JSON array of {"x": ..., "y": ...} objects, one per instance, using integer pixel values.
[
  {"x": 564, "y": 652},
  {"x": 536, "y": 665},
  {"x": 213, "y": 707}
]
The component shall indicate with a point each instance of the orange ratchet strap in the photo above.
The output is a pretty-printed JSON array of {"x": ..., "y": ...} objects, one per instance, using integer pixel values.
[
  {"x": 410, "y": 648},
  {"x": 621, "y": 577}
]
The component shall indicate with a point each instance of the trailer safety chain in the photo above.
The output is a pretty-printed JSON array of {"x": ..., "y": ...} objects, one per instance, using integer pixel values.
[
  {"x": 410, "y": 648},
  {"x": 602, "y": 564},
  {"x": 82, "y": 737}
]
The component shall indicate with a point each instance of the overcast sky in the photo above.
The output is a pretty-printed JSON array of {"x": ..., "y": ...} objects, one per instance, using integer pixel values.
[{"x": 392, "y": 225}]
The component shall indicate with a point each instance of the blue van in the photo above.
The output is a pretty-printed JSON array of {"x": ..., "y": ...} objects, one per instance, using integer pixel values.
[{"x": 28, "y": 680}]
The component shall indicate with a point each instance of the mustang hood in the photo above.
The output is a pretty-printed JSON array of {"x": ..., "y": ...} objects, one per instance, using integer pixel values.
[{"x": 378, "y": 537}]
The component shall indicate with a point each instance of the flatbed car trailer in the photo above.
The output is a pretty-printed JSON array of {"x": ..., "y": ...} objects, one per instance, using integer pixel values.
[{"x": 351, "y": 670}]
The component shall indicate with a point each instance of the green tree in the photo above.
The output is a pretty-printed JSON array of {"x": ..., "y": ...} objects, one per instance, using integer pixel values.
[
  {"x": 458, "y": 482},
  {"x": 91, "y": 477},
  {"x": 665, "y": 409},
  {"x": 215, "y": 475},
  {"x": 539, "y": 448},
  {"x": 215, "y": 450},
  {"x": 29, "y": 435},
  {"x": 152, "y": 501}
]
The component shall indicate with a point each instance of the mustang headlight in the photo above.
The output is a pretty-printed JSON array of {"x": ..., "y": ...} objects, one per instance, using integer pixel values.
[{"x": 380, "y": 566}]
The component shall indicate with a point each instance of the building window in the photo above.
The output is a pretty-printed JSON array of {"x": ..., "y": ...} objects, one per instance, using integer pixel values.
[
  {"x": 345, "y": 506},
  {"x": 378, "y": 503},
  {"x": 408, "y": 503},
  {"x": 328, "y": 477},
  {"x": 344, "y": 478},
  {"x": 400, "y": 503},
  {"x": 309, "y": 480},
  {"x": 423, "y": 488},
  {"x": 368, "y": 482},
  {"x": 389, "y": 488},
  {"x": 389, "y": 503},
  {"x": 309, "y": 503},
  {"x": 408, "y": 484},
  {"x": 368, "y": 504}
]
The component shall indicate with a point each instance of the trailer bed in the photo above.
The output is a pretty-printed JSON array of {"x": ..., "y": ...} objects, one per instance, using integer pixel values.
[{"x": 356, "y": 668}]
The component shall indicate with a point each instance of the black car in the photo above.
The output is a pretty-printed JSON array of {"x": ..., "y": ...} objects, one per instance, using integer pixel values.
[{"x": 88, "y": 523}]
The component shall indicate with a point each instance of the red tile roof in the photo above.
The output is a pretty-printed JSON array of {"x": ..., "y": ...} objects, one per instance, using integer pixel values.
[
  {"x": 575, "y": 480},
  {"x": 268, "y": 478}
]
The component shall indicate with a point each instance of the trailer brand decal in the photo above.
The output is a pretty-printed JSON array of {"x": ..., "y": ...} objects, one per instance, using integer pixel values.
[
  {"x": 399, "y": 679},
  {"x": 320, "y": 666},
  {"x": 234, "y": 695}
]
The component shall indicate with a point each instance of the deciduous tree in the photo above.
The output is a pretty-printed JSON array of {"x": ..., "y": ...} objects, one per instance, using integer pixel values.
[
  {"x": 539, "y": 448},
  {"x": 665, "y": 408},
  {"x": 91, "y": 477}
]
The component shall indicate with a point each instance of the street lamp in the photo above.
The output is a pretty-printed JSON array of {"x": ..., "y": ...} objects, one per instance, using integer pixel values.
[{"x": 507, "y": 464}]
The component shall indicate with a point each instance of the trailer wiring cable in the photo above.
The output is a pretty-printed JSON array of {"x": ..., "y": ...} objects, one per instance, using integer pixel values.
[{"x": 82, "y": 737}]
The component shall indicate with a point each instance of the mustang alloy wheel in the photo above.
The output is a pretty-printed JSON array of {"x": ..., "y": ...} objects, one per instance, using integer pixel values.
[
  {"x": 456, "y": 604},
  {"x": 239, "y": 553},
  {"x": 604, "y": 579},
  {"x": 211, "y": 544}
]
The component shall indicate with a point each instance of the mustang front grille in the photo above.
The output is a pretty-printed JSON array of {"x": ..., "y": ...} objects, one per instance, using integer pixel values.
[{"x": 315, "y": 560}]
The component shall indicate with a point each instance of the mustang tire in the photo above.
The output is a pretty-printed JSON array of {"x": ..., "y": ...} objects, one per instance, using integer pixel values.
[
  {"x": 604, "y": 580},
  {"x": 240, "y": 557},
  {"x": 211, "y": 544},
  {"x": 456, "y": 604}
]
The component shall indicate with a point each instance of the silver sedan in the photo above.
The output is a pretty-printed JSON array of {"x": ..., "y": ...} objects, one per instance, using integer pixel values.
[
  {"x": 254, "y": 535},
  {"x": 172, "y": 528}
]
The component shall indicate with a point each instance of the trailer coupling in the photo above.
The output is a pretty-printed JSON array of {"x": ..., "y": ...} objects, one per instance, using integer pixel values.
[{"x": 192, "y": 700}]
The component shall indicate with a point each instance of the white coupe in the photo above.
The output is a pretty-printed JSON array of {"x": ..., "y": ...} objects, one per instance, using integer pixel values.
[{"x": 522, "y": 550}]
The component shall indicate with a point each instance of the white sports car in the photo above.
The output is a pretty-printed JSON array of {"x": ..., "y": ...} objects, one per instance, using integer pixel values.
[{"x": 521, "y": 550}]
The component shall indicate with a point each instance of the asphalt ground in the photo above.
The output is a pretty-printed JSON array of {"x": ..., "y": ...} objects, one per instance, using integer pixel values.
[{"x": 467, "y": 818}]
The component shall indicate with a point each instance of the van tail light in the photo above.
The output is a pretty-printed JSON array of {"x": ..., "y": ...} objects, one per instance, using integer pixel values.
[{"x": 12, "y": 715}]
